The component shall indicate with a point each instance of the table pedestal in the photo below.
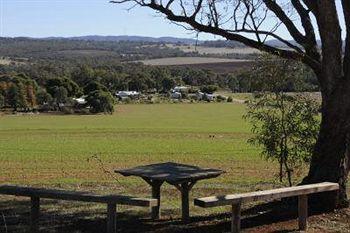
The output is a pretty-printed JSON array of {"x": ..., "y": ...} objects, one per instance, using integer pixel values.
[
  {"x": 155, "y": 184},
  {"x": 185, "y": 189}
]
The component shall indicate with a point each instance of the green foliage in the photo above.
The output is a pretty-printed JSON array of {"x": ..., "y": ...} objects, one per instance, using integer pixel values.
[
  {"x": 230, "y": 99},
  {"x": 16, "y": 97},
  {"x": 168, "y": 84},
  {"x": 73, "y": 90},
  {"x": 94, "y": 86},
  {"x": 210, "y": 89},
  {"x": 73, "y": 50},
  {"x": 60, "y": 95},
  {"x": 18, "y": 91},
  {"x": 275, "y": 74},
  {"x": 100, "y": 101},
  {"x": 43, "y": 97},
  {"x": 140, "y": 81},
  {"x": 286, "y": 126},
  {"x": 83, "y": 75}
]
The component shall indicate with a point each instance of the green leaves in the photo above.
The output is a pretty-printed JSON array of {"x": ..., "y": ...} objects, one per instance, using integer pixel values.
[{"x": 286, "y": 127}]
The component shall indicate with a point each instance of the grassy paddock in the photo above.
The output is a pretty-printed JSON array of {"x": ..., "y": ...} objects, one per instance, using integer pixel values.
[{"x": 81, "y": 152}]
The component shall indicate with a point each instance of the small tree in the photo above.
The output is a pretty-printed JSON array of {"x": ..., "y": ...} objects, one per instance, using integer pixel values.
[
  {"x": 17, "y": 97},
  {"x": 60, "y": 96},
  {"x": 43, "y": 97},
  {"x": 285, "y": 125},
  {"x": 167, "y": 84},
  {"x": 101, "y": 101}
]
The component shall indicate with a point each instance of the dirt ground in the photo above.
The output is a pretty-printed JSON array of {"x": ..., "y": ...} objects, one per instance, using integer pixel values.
[{"x": 276, "y": 217}]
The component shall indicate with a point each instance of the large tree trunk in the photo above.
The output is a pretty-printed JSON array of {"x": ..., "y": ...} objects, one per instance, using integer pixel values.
[
  {"x": 331, "y": 158},
  {"x": 330, "y": 161}
]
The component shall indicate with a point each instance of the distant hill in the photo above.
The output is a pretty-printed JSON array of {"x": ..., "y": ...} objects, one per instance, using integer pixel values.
[{"x": 172, "y": 40}]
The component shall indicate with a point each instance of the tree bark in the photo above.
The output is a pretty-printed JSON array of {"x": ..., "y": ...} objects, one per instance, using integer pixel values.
[{"x": 330, "y": 161}]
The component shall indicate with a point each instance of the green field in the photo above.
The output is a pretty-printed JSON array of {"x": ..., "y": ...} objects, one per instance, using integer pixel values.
[{"x": 81, "y": 152}]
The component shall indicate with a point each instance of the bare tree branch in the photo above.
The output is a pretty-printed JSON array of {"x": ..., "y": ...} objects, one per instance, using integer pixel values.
[
  {"x": 246, "y": 17},
  {"x": 279, "y": 12}
]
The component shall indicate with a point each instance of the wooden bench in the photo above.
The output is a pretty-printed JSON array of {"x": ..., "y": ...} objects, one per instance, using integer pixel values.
[
  {"x": 111, "y": 200},
  {"x": 236, "y": 200}
]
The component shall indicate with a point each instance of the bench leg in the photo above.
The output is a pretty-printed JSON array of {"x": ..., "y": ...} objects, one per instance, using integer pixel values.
[
  {"x": 34, "y": 214},
  {"x": 236, "y": 218},
  {"x": 111, "y": 218},
  {"x": 303, "y": 209},
  {"x": 156, "y": 194},
  {"x": 185, "y": 207}
]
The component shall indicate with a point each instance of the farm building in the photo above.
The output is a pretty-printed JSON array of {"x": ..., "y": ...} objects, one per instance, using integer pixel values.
[
  {"x": 175, "y": 95},
  {"x": 127, "y": 94},
  {"x": 180, "y": 89}
]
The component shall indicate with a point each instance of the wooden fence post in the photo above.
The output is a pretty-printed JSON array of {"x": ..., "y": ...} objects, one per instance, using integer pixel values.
[
  {"x": 111, "y": 217},
  {"x": 302, "y": 209},
  {"x": 236, "y": 218},
  {"x": 34, "y": 214}
]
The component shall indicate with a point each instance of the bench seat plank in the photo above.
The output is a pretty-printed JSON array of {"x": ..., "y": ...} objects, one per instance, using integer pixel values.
[
  {"x": 265, "y": 195},
  {"x": 76, "y": 196}
]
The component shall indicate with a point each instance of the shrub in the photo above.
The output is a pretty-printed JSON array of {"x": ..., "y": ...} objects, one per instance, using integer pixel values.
[
  {"x": 210, "y": 89},
  {"x": 286, "y": 127},
  {"x": 229, "y": 99},
  {"x": 220, "y": 98},
  {"x": 100, "y": 101}
]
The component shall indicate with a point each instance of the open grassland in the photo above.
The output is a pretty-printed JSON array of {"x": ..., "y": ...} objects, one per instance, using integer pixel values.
[{"x": 81, "y": 152}]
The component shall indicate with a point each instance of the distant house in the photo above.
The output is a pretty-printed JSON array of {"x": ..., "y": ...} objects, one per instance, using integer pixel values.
[
  {"x": 180, "y": 89},
  {"x": 175, "y": 95},
  {"x": 80, "y": 101},
  {"x": 127, "y": 94}
]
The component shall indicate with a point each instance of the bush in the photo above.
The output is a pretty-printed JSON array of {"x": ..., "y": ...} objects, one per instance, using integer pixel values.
[
  {"x": 100, "y": 101},
  {"x": 220, "y": 98},
  {"x": 210, "y": 89},
  {"x": 229, "y": 99},
  {"x": 43, "y": 97}
]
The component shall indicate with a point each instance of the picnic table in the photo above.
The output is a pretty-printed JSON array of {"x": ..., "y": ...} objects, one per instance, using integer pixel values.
[{"x": 182, "y": 176}]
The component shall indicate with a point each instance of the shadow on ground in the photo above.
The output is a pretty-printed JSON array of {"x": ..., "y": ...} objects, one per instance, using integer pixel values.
[{"x": 14, "y": 217}]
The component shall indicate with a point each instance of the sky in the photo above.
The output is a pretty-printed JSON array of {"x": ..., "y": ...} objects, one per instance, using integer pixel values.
[{"x": 45, "y": 18}]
